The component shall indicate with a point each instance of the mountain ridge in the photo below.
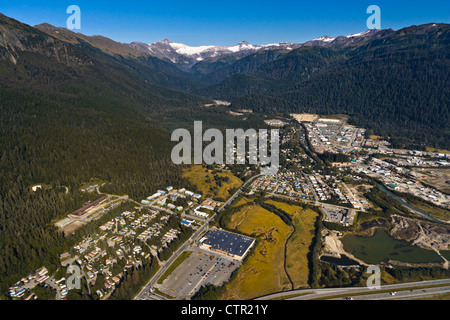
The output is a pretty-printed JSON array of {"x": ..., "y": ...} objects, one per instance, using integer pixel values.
[
  {"x": 396, "y": 84},
  {"x": 186, "y": 56}
]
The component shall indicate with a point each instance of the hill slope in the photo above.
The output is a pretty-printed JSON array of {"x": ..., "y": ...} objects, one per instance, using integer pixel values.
[
  {"x": 70, "y": 112},
  {"x": 397, "y": 85},
  {"x": 152, "y": 69}
]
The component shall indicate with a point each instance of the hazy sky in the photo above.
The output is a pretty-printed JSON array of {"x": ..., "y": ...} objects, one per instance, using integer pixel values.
[{"x": 226, "y": 22}]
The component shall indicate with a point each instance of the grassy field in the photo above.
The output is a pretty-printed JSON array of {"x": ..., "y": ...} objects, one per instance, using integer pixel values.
[
  {"x": 241, "y": 201},
  {"x": 291, "y": 209},
  {"x": 430, "y": 149},
  {"x": 263, "y": 272},
  {"x": 298, "y": 245},
  {"x": 445, "y": 254},
  {"x": 434, "y": 211},
  {"x": 205, "y": 182}
]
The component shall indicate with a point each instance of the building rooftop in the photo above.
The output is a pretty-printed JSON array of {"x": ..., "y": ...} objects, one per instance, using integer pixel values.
[{"x": 231, "y": 243}]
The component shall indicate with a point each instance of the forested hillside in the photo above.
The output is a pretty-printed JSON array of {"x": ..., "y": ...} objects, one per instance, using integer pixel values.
[
  {"x": 397, "y": 86},
  {"x": 70, "y": 113},
  {"x": 74, "y": 107},
  {"x": 215, "y": 71},
  {"x": 152, "y": 69}
]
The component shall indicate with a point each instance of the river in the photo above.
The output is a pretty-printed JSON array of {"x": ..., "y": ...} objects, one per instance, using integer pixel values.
[{"x": 406, "y": 204}]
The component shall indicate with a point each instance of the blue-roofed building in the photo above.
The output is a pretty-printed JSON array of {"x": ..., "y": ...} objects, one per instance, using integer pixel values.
[
  {"x": 231, "y": 244},
  {"x": 187, "y": 223}
]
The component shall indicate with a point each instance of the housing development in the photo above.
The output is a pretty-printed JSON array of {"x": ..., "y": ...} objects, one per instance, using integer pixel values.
[
  {"x": 311, "y": 162},
  {"x": 341, "y": 190}
]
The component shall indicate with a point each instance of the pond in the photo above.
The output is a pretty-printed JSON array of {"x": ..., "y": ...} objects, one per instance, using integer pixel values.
[
  {"x": 445, "y": 254},
  {"x": 382, "y": 247}
]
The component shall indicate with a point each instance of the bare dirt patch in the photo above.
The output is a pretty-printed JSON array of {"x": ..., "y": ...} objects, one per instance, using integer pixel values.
[
  {"x": 235, "y": 113},
  {"x": 333, "y": 246},
  {"x": 423, "y": 234},
  {"x": 70, "y": 228},
  {"x": 305, "y": 117},
  {"x": 438, "y": 178}
]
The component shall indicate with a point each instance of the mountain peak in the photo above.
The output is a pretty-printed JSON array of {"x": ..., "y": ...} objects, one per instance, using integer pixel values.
[
  {"x": 45, "y": 25},
  {"x": 325, "y": 39}
]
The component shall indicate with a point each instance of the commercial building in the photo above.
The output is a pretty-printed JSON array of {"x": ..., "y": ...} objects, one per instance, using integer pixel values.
[
  {"x": 225, "y": 242},
  {"x": 84, "y": 210}
]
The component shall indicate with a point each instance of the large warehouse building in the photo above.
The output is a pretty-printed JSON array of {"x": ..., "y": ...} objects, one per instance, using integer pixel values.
[{"x": 231, "y": 244}]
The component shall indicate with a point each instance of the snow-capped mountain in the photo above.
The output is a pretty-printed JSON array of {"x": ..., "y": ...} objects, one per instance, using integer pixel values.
[
  {"x": 342, "y": 41},
  {"x": 182, "y": 54},
  {"x": 324, "y": 39},
  {"x": 186, "y": 56}
]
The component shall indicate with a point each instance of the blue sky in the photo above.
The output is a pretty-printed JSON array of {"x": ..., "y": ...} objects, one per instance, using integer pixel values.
[{"x": 226, "y": 22}]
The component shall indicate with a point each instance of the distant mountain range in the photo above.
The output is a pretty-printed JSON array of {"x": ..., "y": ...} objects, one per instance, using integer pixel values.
[
  {"x": 185, "y": 57},
  {"x": 395, "y": 82},
  {"x": 74, "y": 107}
]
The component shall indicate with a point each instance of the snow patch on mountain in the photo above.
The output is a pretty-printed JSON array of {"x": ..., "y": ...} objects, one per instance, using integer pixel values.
[
  {"x": 358, "y": 34},
  {"x": 324, "y": 39},
  {"x": 187, "y": 50},
  {"x": 186, "y": 56}
]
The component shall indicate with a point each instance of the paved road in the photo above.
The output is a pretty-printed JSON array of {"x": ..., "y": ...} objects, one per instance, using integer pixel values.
[
  {"x": 54, "y": 286},
  {"x": 146, "y": 292},
  {"x": 403, "y": 295},
  {"x": 239, "y": 191},
  {"x": 309, "y": 294}
]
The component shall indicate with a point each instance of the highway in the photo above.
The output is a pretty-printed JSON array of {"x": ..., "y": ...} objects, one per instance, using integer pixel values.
[
  {"x": 403, "y": 295},
  {"x": 408, "y": 290}
]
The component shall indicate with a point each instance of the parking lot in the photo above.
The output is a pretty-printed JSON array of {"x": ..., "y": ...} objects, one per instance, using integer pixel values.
[{"x": 200, "y": 268}]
